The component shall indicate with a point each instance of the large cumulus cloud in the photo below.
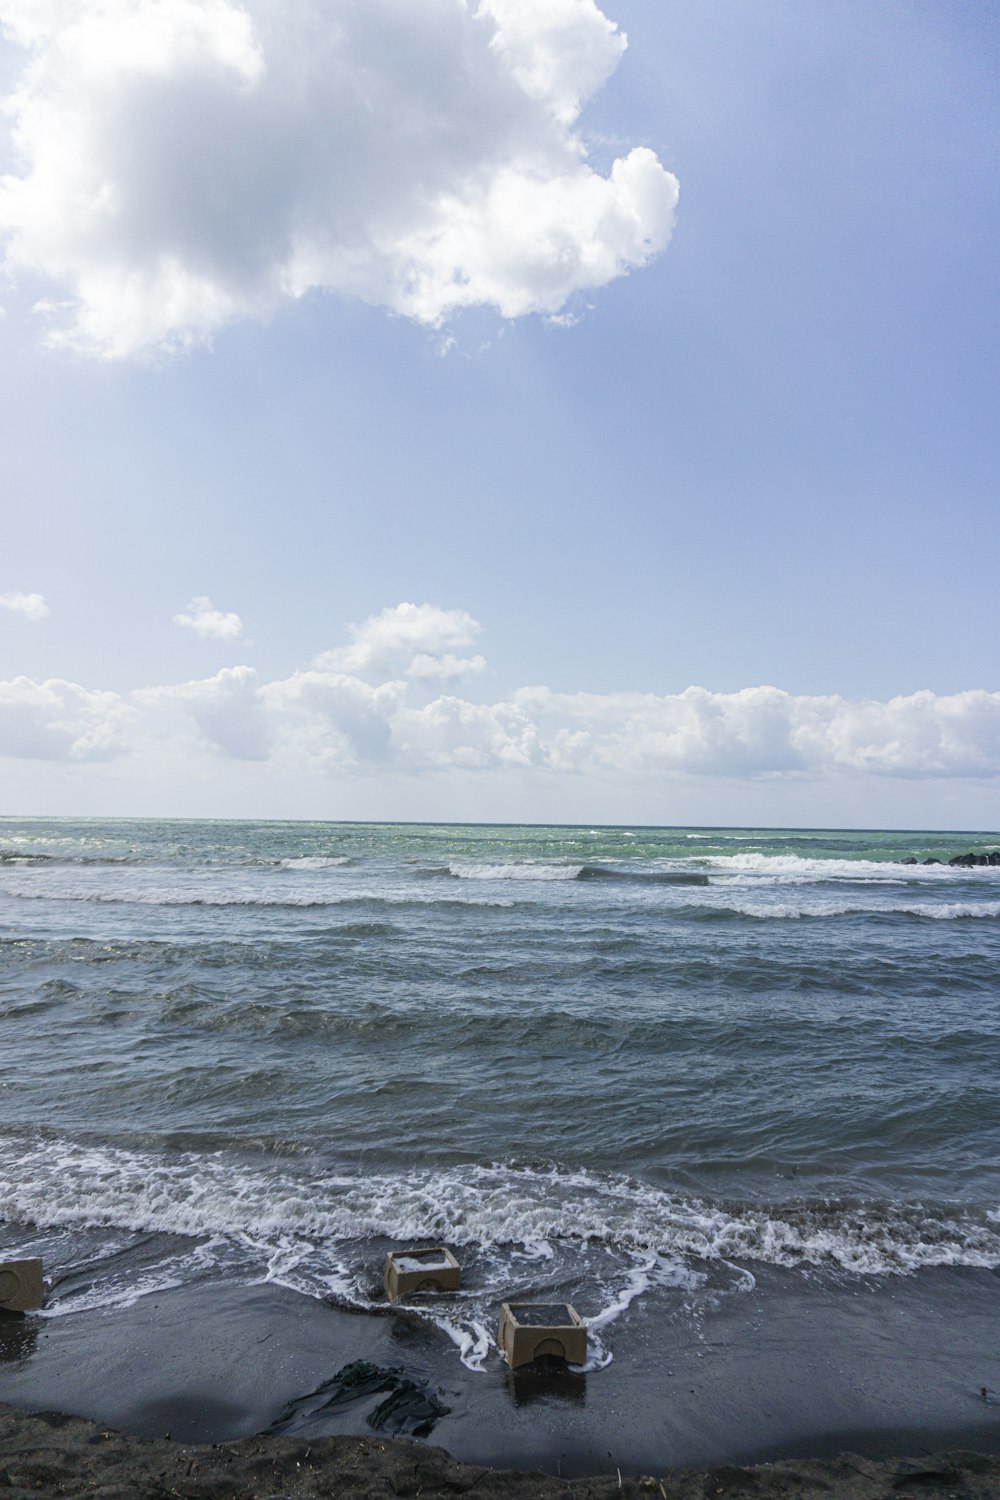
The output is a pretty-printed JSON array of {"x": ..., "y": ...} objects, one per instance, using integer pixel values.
[
  {"x": 181, "y": 163},
  {"x": 61, "y": 721}
]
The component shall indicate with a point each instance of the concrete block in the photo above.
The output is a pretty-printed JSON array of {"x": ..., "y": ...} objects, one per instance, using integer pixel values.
[
  {"x": 409, "y": 1271},
  {"x": 529, "y": 1330},
  {"x": 21, "y": 1287}
]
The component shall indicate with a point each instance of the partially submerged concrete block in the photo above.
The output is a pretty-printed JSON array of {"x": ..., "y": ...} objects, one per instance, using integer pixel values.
[
  {"x": 529, "y": 1330},
  {"x": 409, "y": 1271},
  {"x": 21, "y": 1286}
]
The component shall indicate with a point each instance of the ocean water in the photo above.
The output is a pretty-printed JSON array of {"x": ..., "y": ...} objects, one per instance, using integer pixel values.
[{"x": 603, "y": 1064}]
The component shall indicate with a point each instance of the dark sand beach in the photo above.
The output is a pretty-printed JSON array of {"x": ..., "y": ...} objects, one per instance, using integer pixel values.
[
  {"x": 784, "y": 1393},
  {"x": 54, "y": 1454}
]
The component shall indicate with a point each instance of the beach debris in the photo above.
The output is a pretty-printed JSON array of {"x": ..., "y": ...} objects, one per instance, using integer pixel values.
[
  {"x": 21, "y": 1285},
  {"x": 410, "y": 1271},
  {"x": 410, "y": 1409},
  {"x": 532, "y": 1330}
]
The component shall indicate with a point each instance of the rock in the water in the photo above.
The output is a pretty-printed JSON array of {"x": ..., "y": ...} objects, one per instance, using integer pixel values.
[{"x": 958, "y": 861}]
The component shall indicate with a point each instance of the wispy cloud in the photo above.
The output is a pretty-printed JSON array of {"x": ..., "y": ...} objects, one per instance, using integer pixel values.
[
  {"x": 204, "y": 619},
  {"x": 32, "y": 606},
  {"x": 188, "y": 162}
]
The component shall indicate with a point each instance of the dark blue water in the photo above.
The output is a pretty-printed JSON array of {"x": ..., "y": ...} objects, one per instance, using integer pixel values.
[{"x": 615, "y": 1062}]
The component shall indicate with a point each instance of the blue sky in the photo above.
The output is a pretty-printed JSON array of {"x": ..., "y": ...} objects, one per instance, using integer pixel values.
[{"x": 762, "y": 455}]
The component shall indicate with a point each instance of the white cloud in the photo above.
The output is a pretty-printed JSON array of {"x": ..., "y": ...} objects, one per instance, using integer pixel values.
[
  {"x": 363, "y": 710},
  {"x": 560, "y": 51},
  {"x": 413, "y": 638},
  {"x": 427, "y": 668},
  {"x": 226, "y": 708},
  {"x": 451, "y": 732},
  {"x": 182, "y": 163},
  {"x": 202, "y": 617},
  {"x": 32, "y": 606},
  {"x": 58, "y": 720},
  {"x": 336, "y": 719},
  {"x": 765, "y": 732},
  {"x": 754, "y": 734}
]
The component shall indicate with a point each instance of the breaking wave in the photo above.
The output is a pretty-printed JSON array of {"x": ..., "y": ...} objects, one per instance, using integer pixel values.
[
  {"x": 565, "y": 873},
  {"x": 797, "y": 869},
  {"x": 53, "y": 1183},
  {"x": 223, "y": 901},
  {"x": 316, "y": 862},
  {"x": 950, "y": 911}
]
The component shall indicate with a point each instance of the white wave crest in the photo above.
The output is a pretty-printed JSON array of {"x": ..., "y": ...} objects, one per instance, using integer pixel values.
[
  {"x": 316, "y": 862},
  {"x": 227, "y": 900},
  {"x": 949, "y": 911},
  {"x": 59, "y": 1183},
  {"x": 799, "y": 869},
  {"x": 515, "y": 872}
]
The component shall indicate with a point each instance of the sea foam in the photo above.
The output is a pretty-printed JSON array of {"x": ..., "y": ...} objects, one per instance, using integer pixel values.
[{"x": 51, "y": 1183}]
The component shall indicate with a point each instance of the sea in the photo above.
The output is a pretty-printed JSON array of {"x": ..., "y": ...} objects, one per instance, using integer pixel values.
[{"x": 604, "y": 1064}]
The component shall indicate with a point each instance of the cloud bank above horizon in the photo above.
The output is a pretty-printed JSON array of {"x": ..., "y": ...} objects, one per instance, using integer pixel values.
[
  {"x": 181, "y": 164},
  {"x": 374, "y": 706}
]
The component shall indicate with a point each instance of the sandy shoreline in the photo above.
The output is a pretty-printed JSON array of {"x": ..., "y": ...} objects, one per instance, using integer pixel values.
[
  {"x": 53, "y": 1454},
  {"x": 175, "y": 1393}
]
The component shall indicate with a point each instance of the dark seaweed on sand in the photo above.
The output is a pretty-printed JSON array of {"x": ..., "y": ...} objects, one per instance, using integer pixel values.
[{"x": 410, "y": 1409}]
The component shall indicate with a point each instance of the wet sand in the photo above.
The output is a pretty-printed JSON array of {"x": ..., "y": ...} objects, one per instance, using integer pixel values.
[
  {"x": 792, "y": 1376},
  {"x": 53, "y": 1454}
]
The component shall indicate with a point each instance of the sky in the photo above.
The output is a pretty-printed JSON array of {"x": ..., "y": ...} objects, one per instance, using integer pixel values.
[{"x": 521, "y": 410}]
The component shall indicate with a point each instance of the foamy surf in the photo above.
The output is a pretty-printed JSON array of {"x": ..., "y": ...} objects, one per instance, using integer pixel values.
[
  {"x": 563, "y": 873},
  {"x": 316, "y": 862},
  {"x": 253, "y": 901},
  {"x": 796, "y": 869},
  {"x": 53, "y": 1184},
  {"x": 514, "y": 872},
  {"x": 826, "y": 910}
]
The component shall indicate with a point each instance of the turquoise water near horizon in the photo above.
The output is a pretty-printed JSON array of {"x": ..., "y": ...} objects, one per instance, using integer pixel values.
[{"x": 622, "y": 1062}]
